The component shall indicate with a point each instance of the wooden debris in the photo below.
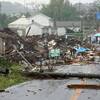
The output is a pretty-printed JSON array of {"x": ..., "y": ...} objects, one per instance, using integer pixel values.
[{"x": 84, "y": 86}]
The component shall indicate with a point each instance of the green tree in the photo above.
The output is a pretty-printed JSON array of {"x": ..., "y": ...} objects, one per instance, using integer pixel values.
[
  {"x": 60, "y": 10},
  {"x": 3, "y": 20},
  {"x": 27, "y": 14}
]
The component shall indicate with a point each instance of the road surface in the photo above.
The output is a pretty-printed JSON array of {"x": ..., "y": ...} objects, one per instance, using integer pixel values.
[{"x": 56, "y": 89}]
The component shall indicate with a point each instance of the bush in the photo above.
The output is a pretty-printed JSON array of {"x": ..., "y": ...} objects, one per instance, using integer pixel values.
[{"x": 5, "y": 63}]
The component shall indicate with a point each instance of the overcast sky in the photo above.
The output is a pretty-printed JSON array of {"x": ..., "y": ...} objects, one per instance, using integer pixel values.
[{"x": 46, "y": 1}]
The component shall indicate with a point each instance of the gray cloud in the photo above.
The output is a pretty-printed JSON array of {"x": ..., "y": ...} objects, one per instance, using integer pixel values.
[{"x": 46, "y": 1}]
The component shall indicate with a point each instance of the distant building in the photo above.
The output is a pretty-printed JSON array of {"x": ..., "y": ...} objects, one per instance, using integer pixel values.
[
  {"x": 35, "y": 25},
  {"x": 20, "y": 25},
  {"x": 61, "y": 31},
  {"x": 40, "y": 23},
  {"x": 42, "y": 19},
  {"x": 63, "y": 27}
]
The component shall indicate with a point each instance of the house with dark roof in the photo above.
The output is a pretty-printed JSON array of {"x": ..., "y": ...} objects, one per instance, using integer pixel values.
[
  {"x": 68, "y": 24},
  {"x": 64, "y": 27}
]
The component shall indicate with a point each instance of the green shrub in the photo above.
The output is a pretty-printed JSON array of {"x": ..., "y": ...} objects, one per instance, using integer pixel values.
[{"x": 5, "y": 63}]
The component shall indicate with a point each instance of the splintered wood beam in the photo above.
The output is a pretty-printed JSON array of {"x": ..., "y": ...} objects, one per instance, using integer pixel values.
[
  {"x": 84, "y": 86},
  {"x": 2, "y": 90}
]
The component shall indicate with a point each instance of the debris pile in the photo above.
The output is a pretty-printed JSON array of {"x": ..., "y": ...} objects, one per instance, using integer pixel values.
[{"x": 47, "y": 50}]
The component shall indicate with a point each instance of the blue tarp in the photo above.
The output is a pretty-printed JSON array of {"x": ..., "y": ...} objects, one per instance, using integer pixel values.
[
  {"x": 98, "y": 15},
  {"x": 81, "y": 50}
]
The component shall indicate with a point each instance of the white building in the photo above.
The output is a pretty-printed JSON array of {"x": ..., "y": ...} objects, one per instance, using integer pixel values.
[
  {"x": 20, "y": 25},
  {"x": 35, "y": 25},
  {"x": 42, "y": 19},
  {"x": 34, "y": 29},
  {"x": 61, "y": 31}
]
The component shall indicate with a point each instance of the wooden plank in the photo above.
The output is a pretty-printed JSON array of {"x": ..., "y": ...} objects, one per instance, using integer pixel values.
[{"x": 84, "y": 86}]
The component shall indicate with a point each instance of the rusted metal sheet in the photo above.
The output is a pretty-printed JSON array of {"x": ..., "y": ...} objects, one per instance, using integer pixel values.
[{"x": 84, "y": 86}]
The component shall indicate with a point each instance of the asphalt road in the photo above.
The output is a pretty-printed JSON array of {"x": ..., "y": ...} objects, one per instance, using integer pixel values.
[
  {"x": 77, "y": 68},
  {"x": 56, "y": 89}
]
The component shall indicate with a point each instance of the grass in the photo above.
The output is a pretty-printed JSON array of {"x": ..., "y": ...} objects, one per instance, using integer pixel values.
[{"x": 13, "y": 78}]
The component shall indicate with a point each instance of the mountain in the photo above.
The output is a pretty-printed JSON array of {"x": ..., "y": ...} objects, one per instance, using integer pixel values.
[{"x": 14, "y": 8}]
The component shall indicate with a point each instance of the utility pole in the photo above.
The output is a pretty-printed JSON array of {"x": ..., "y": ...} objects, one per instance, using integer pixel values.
[
  {"x": 98, "y": 11},
  {"x": 0, "y": 12},
  {"x": 0, "y": 7}
]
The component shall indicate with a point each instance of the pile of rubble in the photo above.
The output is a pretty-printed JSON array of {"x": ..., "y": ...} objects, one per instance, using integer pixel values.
[{"x": 50, "y": 49}]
